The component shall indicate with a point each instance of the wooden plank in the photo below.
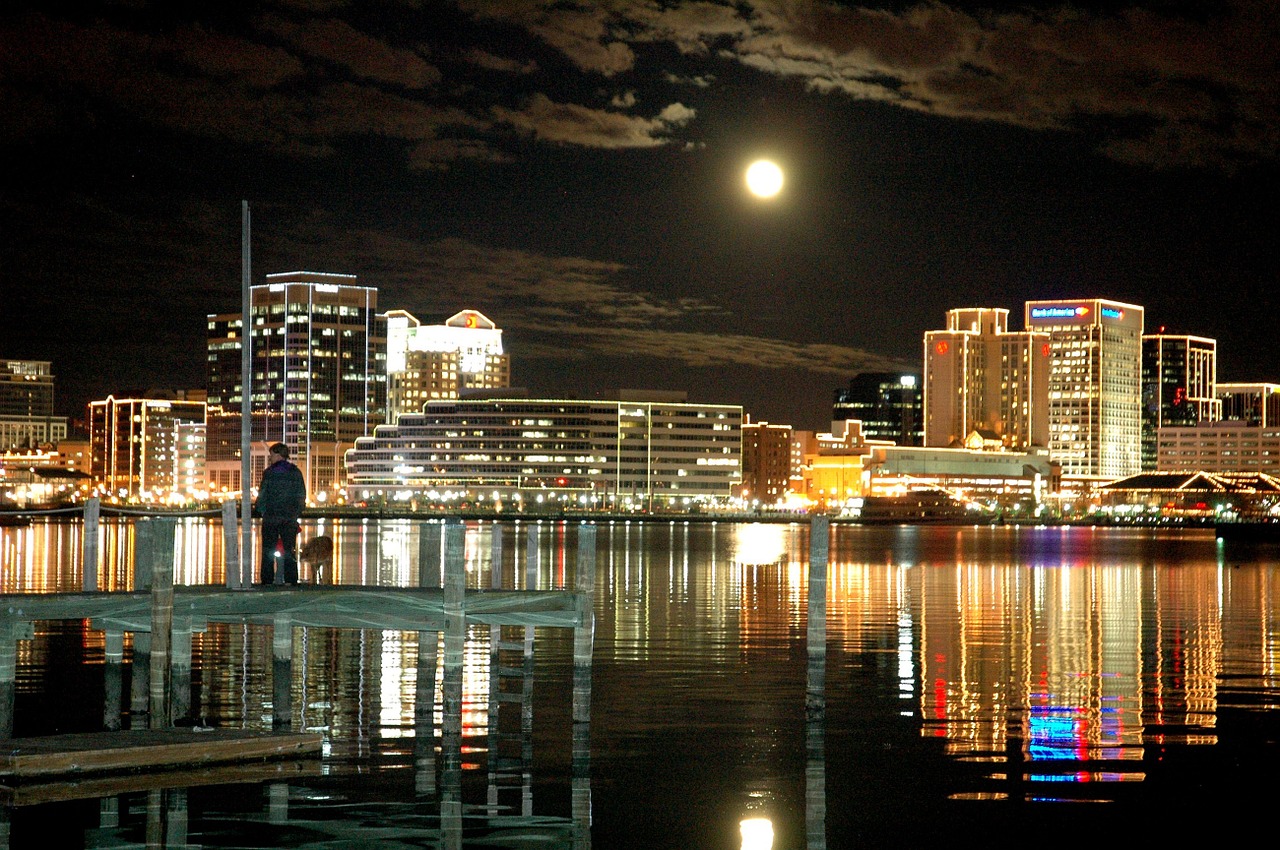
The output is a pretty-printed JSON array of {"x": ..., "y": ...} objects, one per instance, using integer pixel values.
[
  {"x": 97, "y": 752},
  {"x": 109, "y": 785}
]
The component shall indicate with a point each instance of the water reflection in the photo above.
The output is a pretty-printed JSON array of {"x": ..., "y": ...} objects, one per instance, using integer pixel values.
[{"x": 1034, "y": 664}]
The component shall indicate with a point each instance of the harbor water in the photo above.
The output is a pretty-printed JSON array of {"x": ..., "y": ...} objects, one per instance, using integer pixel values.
[{"x": 991, "y": 685}]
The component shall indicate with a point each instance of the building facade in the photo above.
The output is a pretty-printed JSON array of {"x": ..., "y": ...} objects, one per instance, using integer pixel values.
[
  {"x": 766, "y": 462},
  {"x": 432, "y": 362},
  {"x": 980, "y": 376},
  {"x": 645, "y": 450},
  {"x": 137, "y": 446},
  {"x": 318, "y": 373},
  {"x": 1179, "y": 386},
  {"x": 1095, "y": 384},
  {"x": 26, "y": 406},
  {"x": 1253, "y": 404},
  {"x": 890, "y": 406},
  {"x": 1226, "y": 446}
]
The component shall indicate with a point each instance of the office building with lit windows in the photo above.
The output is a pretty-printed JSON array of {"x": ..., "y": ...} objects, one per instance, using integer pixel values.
[
  {"x": 766, "y": 462},
  {"x": 432, "y": 362},
  {"x": 1179, "y": 387},
  {"x": 1095, "y": 384},
  {"x": 1252, "y": 403},
  {"x": 318, "y": 378},
  {"x": 643, "y": 450},
  {"x": 981, "y": 377},
  {"x": 890, "y": 406},
  {"x": 26, "y": 406},
  {"x": 139, "y": 447}
]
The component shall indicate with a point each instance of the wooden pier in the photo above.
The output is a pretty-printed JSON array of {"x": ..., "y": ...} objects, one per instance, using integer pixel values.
[{"x": 163, "y": 617}]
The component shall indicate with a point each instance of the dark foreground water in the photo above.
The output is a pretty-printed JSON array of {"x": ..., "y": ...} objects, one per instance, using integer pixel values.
[{"x": 984, "y": 686}]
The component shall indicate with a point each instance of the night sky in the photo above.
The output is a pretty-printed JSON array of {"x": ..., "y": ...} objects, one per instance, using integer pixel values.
[{"x": 574, "y": 171}]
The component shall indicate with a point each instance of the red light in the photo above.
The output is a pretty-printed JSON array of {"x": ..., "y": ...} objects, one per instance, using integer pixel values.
[
  {"x": 560, "y": 482},
  {"x": 471, "y": 321},
  {"x": 941, "y": 348},
  {"x": 1044, "y": 350}
]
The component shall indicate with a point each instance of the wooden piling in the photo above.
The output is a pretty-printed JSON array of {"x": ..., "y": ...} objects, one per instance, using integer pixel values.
[
  {"x": 8, "y": 673},
  {"x": 819, "y": 552},
  {"x": 230, "y": 545},
  {"x": 455, "y": 632},
  {"x": 139, "y": 694},
  {"x": 112, "y": 679},
  {"x": 424, "y": 715},
  {"x": 495, "y": 556},
  {"x": 531, "y": 557},
  {"x": 281, "y": 671},
  {"x": 583, "y": 650},
  {"x": 584, "y": 632},
  {"x": 429, "y": 554},
  {"x": 180, "y": 670},
  {"x": 161, "y": 563},
  {"x": 89, "y": 545}
]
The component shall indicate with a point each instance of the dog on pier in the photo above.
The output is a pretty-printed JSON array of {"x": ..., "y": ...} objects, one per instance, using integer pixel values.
[{"x": 318, "y": 554}]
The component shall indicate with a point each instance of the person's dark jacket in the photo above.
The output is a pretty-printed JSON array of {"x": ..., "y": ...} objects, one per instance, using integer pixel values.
[{"x": 282, "y": 492}]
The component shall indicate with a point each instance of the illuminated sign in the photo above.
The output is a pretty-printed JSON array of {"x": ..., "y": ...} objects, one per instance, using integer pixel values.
[
  {"x": 1064, "y": 312},
  {"x": 1112, "y": 313},
  {"x": 941, "y": 348}
]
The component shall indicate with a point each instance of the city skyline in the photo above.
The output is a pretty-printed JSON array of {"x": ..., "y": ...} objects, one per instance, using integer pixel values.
[{"x": 576, "y": 174}]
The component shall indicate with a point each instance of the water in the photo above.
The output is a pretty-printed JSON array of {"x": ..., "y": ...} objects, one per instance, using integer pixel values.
[{"x": 992, "y": 685}]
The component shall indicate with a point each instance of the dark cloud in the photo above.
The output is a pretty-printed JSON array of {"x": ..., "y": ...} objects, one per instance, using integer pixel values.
[
  {"x": 342, "y": 44},
  {"x": 569, "y": 123}
]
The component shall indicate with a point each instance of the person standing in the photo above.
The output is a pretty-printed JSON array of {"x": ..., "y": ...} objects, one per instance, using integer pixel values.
[{"x": 282, "y": 493}]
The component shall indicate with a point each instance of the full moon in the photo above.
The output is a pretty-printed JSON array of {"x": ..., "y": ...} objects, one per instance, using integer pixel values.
[{"x": 764, "y": 178}]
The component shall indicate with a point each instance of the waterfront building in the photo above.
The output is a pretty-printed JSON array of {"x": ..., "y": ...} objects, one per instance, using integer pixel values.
[
  {"x": 766, "y": 462},
  {"x": 1225, "y": 446},
  {"x": 431, "y": 362},
  {"x": 890, "y": 406},
  {"x": 319, "y": 375},
  {"x": 1251, "y": 403},
  {"x": 136, "y": 445},
  {"x": 980, "y": 376},
  {"x": 1179, "y": 381},
  {"x": 26, "y": 405},
  {"x": 1095, "y": 384},
  {"x": 1196, "y": 495},
  {"x": 645, "y": 449},
  {"x": 845, "y": 467}
]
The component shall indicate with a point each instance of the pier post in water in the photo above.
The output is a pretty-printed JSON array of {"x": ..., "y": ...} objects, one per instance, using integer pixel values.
[
  {"x": 531, "y": 554},
  {"x": 495, "y": 556},
  {"x": 583, "y": 649},
  {"x": 89, "y": 547},
  {"x": 8, "y": 674},
  {"x": 161, "y": 574},
  {"x": 424, "y": 715},
  {"x": 455, "y": 632},
  {"x": 429, "y": 554},
  {"x": 230, "y": 544},
  {"x": 815, "y": 704},
  {"x": 112, "y": 678},
  {"x": 281, "y": 671},
  {"x": 180, "y": 667}
]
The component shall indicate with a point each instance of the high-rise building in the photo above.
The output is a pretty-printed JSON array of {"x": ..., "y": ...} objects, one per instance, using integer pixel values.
[
  {"x": 1179, "y": 387},
  {"x": 26, "y": 405},
  {"x": 980, "y": 376},
  {"x": 1095, "y": 384},
  {"x": 645, "y": 449},
  {"x": 766, "y": 462},
  {"x": 432, "y": 362},
  {"x": 890, "y": 406},
  {"x": 137, "y": 445},
  {"x": 319, "y": 373},
  {"x": 1252, "y": 404}
]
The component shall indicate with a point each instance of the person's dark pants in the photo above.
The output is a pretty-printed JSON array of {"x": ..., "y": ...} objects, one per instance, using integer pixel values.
[{"x": 280, "y": 543}]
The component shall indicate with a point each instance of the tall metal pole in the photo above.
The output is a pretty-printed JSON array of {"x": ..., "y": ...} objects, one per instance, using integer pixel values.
[{"x": 246, "y": 374}]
